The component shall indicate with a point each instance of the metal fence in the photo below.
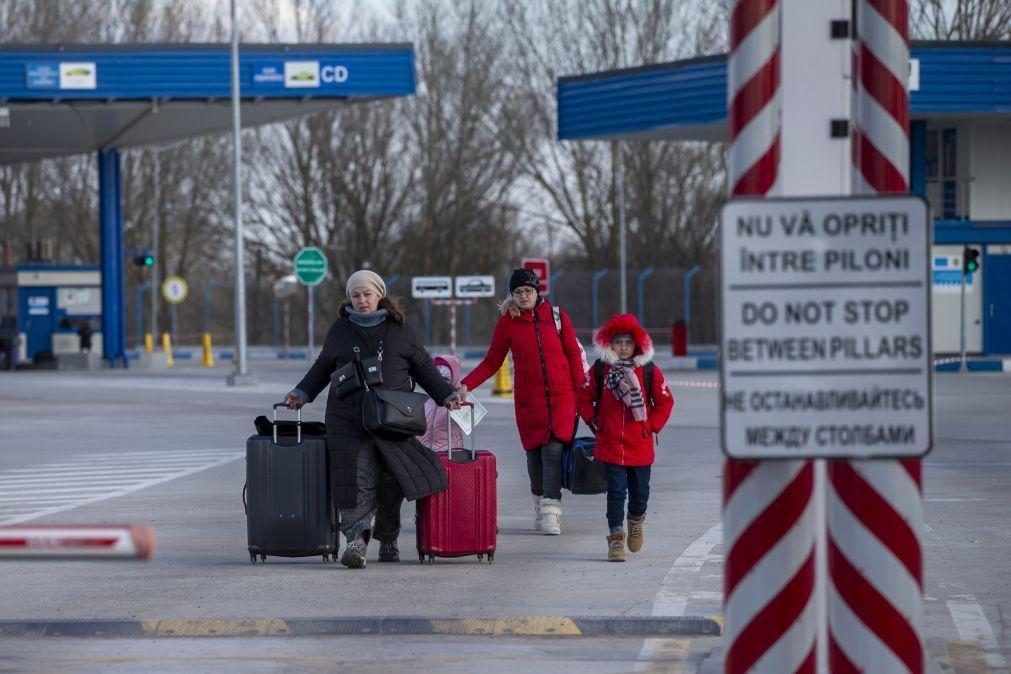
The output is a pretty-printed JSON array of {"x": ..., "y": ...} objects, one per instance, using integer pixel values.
[{"x": 658, "y": 296}]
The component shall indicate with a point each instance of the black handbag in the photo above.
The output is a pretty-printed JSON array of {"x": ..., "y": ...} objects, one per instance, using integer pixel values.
[
  {"x": 392, "y": 412},
  {"x": 346, "y": 379}
]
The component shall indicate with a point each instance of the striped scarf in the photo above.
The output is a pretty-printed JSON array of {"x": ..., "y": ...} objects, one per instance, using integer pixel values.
[{"x": 621, "y": 380}]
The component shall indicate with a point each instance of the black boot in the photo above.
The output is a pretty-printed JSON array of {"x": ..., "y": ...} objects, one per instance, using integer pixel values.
[{"x": 389, "y": 552}]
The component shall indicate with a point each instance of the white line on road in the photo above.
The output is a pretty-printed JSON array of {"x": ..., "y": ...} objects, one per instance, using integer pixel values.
[
  {"x": 972, "y": 625},
  {"x": 677, "y": 587},
  {"x": 181, "y": 454},
  {"x": 109, "y": 490},
  {"x": 39, "y": 491},
  {"x": 70, "y": 479}
]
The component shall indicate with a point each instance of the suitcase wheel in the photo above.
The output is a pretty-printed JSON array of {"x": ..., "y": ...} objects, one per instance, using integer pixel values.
[
  {"x": 431, "y": 559},
  {"x": 421, "y": 558},
  {"x": 491, "y": 557},
  {"x": 252, "y": 558},
  {"x": 263, "y": 558},
  {"x": 326, "y": 558},
  {"x": 480, "y": 558}
]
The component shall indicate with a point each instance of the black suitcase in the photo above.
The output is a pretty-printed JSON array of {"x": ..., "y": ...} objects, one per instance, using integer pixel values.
[{"x": 287, "y": 496}]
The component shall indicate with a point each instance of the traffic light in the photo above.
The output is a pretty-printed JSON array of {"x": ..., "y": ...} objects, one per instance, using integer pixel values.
[
  {"x": 145, "y": 260},
  {"x": 970, "y": 260}
]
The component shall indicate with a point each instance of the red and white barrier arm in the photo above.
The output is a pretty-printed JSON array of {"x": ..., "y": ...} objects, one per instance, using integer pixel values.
[{"x": 76, "y": 542}]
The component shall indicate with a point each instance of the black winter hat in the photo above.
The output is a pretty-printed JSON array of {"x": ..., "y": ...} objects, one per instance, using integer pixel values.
[{"x": 524, "y": 277}]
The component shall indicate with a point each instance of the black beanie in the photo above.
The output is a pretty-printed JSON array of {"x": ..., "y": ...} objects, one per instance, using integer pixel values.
[{"x": 524, "y": 277}]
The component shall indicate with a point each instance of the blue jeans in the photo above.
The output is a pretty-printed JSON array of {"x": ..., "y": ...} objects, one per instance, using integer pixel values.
[{"x": 622, "y": 480}]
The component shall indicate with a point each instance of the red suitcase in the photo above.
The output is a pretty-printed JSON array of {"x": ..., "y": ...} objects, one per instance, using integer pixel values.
[{"x": 462, "y": 520}]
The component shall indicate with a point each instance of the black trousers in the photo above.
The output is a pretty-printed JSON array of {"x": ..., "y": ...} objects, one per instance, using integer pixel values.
[
  {"x": 544, "y": 466},
  {"x": 389, "y": 499}
]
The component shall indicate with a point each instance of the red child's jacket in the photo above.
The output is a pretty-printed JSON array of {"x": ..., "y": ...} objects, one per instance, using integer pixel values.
[{"x": 621, "y": 439}]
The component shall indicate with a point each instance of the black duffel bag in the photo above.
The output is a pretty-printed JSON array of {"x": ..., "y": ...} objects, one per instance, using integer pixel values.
[
  {"x": 581, "y": 473},
  {"x": 392, "y": 412}
]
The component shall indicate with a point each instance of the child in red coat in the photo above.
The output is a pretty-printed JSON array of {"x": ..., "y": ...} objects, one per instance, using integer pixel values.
[{"x": 627, "y": 416}]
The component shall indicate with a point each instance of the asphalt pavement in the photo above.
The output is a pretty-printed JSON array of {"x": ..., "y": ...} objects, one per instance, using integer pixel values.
[{"x": 166, "y": 449}]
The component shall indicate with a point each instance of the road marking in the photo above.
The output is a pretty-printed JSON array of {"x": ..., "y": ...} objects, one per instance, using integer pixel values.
[
  {"x": 676, "y": 590},
  {"x": 668, "y": 656},
  {"x": 953, "y": 500},
  {"x": 972, "y": 625},
  {"x": 28, "y": 497},
  {"x": 516, "y": 626},
  {"x": 73, "y": 478},
  {"x": 966, "y": 657}
]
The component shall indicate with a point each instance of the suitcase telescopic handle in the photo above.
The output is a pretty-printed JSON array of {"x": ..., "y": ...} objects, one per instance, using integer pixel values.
[
  {"x": 449, "y": 433},
  {"x": 298, "y": 423}
]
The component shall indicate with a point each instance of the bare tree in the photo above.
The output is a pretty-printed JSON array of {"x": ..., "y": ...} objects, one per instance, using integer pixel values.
[
  {"x": 464, "y": 134},
  {"x": 575, "y": 181},
  {"x": 961, "y": 19}
]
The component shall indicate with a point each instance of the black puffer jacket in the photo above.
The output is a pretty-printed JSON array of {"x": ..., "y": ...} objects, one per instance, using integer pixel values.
[{"x": 418, "y": 471}]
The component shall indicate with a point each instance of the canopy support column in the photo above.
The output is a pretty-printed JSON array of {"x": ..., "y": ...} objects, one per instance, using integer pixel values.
[{"x": 110, "y": 214}]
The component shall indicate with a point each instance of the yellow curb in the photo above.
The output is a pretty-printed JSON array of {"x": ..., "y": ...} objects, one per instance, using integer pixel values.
[{"x": 214, "y": 627}]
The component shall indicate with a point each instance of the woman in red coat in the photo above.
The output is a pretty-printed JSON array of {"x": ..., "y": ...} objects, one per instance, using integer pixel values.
[{"x": 548, "y": 365}]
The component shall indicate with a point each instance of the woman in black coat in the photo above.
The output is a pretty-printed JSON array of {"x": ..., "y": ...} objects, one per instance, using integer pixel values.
[{"x": 374, "y": 324}]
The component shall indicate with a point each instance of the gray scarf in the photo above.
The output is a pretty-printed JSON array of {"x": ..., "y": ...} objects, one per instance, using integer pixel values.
[{"x": 367, "y": 319}]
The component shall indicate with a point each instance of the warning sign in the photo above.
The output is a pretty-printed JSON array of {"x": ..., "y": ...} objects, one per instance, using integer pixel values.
[{"x": 826, "y": 328}]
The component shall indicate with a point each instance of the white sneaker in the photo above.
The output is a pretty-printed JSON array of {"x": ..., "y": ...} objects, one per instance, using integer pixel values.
[{"x": 538, "y": 520}]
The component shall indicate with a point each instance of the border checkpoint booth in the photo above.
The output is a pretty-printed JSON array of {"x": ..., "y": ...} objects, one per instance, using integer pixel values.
[
  {"x": 60, "y": 100},
  {"x": 960, "y": 158}
]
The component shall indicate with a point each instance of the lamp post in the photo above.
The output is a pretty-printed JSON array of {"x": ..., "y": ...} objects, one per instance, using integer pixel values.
[{"x": 241, "y": 374}]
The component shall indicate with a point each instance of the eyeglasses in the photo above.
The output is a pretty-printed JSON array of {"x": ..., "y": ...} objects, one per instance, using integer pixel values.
[{"x": 524, "y": 291}]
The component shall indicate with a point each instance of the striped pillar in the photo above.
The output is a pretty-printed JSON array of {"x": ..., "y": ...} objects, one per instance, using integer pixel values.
[
  {"x": 875, "y": 507},
  {"x": 768, "y": 513},
  {"x": 753, "y": 97},
  {"x": 770, "y": 619},
  {"x": 881, "y": 102}
]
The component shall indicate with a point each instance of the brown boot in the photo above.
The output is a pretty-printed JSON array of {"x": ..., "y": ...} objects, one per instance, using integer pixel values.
[
  {"x": 616, "y": 547},
  {"x": 636, "y": 535}
]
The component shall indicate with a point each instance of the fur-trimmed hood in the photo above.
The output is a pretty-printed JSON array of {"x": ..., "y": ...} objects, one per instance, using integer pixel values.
[
  {"x": 619, "y": 325},
  {"x": 510, "y": 306},
  {"x": 453, "y": 363}
]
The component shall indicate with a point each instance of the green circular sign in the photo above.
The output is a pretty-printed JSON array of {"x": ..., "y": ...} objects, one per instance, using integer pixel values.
[{"x": 310, "y": 266}]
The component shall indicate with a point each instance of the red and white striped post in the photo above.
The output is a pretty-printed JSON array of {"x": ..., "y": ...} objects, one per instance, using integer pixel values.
[
  {"x": 452, "y": 328},
  {"x": 76, "y": 542},
  {"x": 875, "y": 507},
  {"x": 768, "y": 511}
]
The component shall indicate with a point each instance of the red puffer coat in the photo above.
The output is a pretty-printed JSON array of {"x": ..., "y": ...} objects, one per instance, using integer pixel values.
[
  {"x": 547, "y": 375},
  {"x": 620, "y": 438}
]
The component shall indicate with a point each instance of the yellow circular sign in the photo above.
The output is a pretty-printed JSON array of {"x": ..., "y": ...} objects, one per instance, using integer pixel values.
[{"x": 174, "y": 289}]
